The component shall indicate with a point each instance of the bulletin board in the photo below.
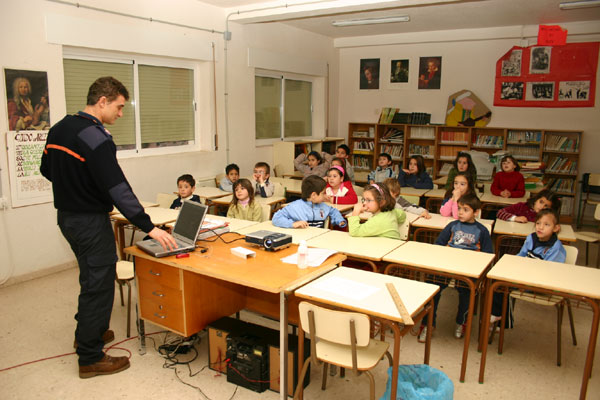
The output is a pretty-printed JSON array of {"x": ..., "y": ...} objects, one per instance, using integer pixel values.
[
  {"x": 27, "y": 185},
  {"x": 547, "y": 76}
]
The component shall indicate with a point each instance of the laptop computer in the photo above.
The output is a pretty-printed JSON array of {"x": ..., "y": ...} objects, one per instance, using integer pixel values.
[{"x": 185, "y": 231}]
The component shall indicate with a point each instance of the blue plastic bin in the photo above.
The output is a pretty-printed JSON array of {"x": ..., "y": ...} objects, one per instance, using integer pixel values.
[{"x": 420, "y": 382}]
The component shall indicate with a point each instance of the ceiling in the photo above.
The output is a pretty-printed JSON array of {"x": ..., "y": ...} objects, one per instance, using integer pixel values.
[{"x": 425, "y": 15}]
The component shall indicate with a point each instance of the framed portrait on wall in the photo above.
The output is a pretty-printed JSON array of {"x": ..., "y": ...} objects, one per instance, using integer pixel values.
[
  {"x": 399, "y": 71},
  {"x": 369, "y": 73},
  {"x": 539, "y": 91},
  {"x": 540, "y": 60},
  {"x": 430, "y": 72},
  {"x": 28, "y": 104}
]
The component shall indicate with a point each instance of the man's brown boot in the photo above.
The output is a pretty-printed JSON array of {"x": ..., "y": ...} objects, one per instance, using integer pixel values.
[
  {"x": 106, "y": 366},
  {"x": 107, "y": 337}
]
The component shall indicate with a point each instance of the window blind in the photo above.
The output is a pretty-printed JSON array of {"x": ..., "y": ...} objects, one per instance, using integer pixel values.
[
  {"x": 298, "y": 108},
  {"x": 267, "y": 103}
]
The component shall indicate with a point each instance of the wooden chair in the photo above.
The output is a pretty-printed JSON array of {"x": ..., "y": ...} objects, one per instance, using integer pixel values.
[
  {"x": 433, "y": 204},
  {"x": 165, "y": 200},
  {"x": 340, "y": 338},
  {"x": 358, "y": 190},
  {"x": 426, "y": 235},
  {"x": 125, "y": 274},
  {"x": 591, "y": 237}
]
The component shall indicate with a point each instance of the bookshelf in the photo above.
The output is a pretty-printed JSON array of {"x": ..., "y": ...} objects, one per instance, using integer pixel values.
[
  {"x": 558, "y": 150},
  {"x": 285, "y": 152},
  {"x": 361, "y": 140}
]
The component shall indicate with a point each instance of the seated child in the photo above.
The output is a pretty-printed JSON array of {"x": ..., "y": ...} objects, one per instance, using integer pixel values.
[
  {"x": 528, "y": 211},
  {"x": 386, "y": 218},
  {"x": 260, "y": 180},
  {"x": 394, "y": 187},
  {"x": 462, "y": 185},
  {"x": 243, "y": 205},
  {"x": 314, "y": 163},
  {"x": 468, "y": 234},
  {"x": 310, "y": 210},
  {"x": 462, "y": 163},
  {"x": 509, "y": 182},
  {"x": 339, "y": 189},
  {"x": 383, "y": 171},
  {"x": 185, "y": 188},
  {"x": 415, "y": 176},
  {"x": 343, "y": 152},
  {"x": 233, "y": 174},
  {"x": 542, "y": 244}
]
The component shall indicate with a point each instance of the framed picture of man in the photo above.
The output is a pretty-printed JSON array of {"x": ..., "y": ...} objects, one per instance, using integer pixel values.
[
  {"x": 399, "y": 71},
  {"x": 369, "y": 73},
  {"x": 28, "y": 104},
  {"x": 430, "y": 72}
]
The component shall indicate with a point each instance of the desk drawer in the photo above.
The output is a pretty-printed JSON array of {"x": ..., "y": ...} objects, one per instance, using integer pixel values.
[
  {"x": 156, "y": 272},
  {"x": 160, "y": 294},
  {"x": 166, "y": 315}
]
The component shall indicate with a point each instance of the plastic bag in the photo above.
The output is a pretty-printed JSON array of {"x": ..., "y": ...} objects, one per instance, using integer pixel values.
[{"x": 420, "y": 382}]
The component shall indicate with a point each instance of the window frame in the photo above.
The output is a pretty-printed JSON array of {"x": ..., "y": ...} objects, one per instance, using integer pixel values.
[
  {"x": 286, "y": 76},
  {"x": 136, "y": 60}
]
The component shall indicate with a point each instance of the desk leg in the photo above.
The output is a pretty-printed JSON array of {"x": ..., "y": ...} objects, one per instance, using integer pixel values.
[
  {"x": 467, "y": 338},
  {"x": 486, "y": 326},
  {"x": 589, "y": 360},
  {"x": 396, "y": 359},
  {"x": 429, "y": 333},
  {"x": 141, "y": 328},
  {"x": 283, "y": 345}
]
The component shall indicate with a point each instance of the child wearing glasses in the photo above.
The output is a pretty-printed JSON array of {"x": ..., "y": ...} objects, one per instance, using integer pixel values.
[{"x": 386, "y": 218}]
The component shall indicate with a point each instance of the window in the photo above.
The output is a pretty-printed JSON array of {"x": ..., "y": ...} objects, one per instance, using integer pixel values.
[
  {"x": 283, "y": 107},
  {"x": 160, "y": 112}
]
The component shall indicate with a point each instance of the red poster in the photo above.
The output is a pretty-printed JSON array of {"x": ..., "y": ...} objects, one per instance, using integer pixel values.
[
  {"x": 547, "y": 76},
  {"x": 551, "y": 35}
]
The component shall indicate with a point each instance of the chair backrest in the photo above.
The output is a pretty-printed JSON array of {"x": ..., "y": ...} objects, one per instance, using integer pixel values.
[
  {"x": 572, "y": 252},
  {"x": 508, "y": 244},
  {"x": 279, "y": 189},
  {"x": 412, "y": 199},
  {"x": 433, "y": 204},
  {"x": 278, "y": 170},
  {"x": 218, "y": 179},
  {"x": 266, "y": 212},
  {"x": 331, "y": 325},
  {"x": 426, "y": 235},
  {"x": 165, "y": 200},
  {"x": 403, "y": 229},
  {"x": 358, "y": 190},
  {"x": 597, "y": 212}
]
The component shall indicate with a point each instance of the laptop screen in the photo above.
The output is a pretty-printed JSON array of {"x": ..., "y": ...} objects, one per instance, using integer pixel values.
[{"x": 189, "y": 220}]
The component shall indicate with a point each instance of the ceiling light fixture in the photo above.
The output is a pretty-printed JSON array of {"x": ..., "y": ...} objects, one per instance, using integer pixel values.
[
  {"x": 579, "y": 4},
  {"x": 371, "y": 21}
]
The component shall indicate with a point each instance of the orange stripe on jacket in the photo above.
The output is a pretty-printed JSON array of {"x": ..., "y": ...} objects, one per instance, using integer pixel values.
[{"x": 68, "y": 151}]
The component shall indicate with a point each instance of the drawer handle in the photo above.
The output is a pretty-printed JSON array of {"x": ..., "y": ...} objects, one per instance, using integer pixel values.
[
  {"x": 158, "y": 294},
  {"x": 154, "y": 273},
  {"x": 160, "y": 316}
]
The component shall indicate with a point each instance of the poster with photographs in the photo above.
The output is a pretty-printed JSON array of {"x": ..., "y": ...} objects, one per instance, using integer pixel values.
[
  {"x": 540, "y": 91},
  {"x": 399, "y": 70},
  {"x": 369, "y": 73},
  {"x": 512, "y": 66},
  {"x": 512, "y": 91},
  {"x": 430, "y": 72},
  {"x": 540, "y": 60},
  {"x": 28, "y": 104},
  {"x": 574, "y": 91}
]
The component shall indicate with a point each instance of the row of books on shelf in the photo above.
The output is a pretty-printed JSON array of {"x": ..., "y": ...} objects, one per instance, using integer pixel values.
[
  {"x": 422, "y": 132},
  {"x": 364, "y": 145},
  {"x": 524, "y": 152},
  {"x": 370, "y": 133},
  {"x": 303, "y": 148},
  {"x": 564, "y": 185},
  {"x": 392, "y": 134},
  {"x": 454, "y": 136},
  {"x": 450, "y": 151},
  {"x": 561, "y": 165},
  {"x": 393, "y": 150},
  {"x": 489, "y": 141},
  {"x": 561, "y": 143},
  {"x": 359, "y": 162},
  {"x": 387, "y": 115},
  {"x": 426, "y": 150},
  {"x": 525, "y": 136}
]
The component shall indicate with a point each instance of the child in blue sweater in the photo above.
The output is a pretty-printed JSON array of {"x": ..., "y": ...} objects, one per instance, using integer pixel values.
[
  {"x": 468, "y": 234},
  {"x": 415, "y": 176},
  {"x": 310, "y": 210}
]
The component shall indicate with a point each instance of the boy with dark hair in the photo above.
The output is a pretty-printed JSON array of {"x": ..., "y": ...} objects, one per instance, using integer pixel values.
[
  {"x": 311, "y": 209},
  {"x": 468, "y": 234},
  {"x": 186, "y": 184},
  {"x": 383, "y": 171},
  {"x": 260, "y": 180},
  {"x": 343, "y": 152},
  {"x": 233, "y": 174}
]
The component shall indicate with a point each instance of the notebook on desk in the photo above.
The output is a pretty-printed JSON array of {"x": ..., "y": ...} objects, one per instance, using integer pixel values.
[{"x": 185, "y": 231}]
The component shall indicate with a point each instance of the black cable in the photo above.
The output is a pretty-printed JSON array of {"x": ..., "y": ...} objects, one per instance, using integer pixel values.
[{"x": 219, "y": 236}]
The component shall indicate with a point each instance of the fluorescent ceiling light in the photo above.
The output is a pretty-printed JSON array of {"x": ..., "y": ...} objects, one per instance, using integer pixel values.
[
  {"x": 370, "y": 21},
  {"x": 579, "y": 4}
]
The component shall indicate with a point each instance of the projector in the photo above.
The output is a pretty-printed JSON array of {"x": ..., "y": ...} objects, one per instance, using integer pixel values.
[{"x": 271, "y": 241}]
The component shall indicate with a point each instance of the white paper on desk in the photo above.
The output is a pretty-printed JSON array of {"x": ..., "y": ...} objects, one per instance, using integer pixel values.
[
  {"x": 346, "y": 287},
  {"x": 315, "y": 258}
]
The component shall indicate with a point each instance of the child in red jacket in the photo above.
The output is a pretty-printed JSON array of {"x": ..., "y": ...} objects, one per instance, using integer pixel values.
[{"x": 509, "y": 182}]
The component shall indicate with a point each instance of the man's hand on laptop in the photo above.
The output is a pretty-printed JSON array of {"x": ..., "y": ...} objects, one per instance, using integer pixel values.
[{"x": 165, "y": 239}]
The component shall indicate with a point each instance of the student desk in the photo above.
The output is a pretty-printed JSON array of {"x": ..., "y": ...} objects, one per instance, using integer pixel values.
[
  {"x": 366, "y": 249},
  {"x": 184, "y": 295},
  {"x": 409, "y": 216},
  {"x": 342, "y": 208},
  {"x": 441, "y": 181},
  {"x": 159, "y": 216},
  {"x": 292, "y": 186},
  {"x": 209, "y": 193},
  {"x": 462, "y": 265},
  {"x": 298, "y": 235},
  {"x": 570, "y": 281},
  {"x": 341, "y": 288},
  {"x": 490, "y": 198},
  {"x": 226, "y": 200},
  {"x": 411, "y": 191},
  {"x": 436, "y": 193},
  {"x": 502, "y": 227},
  {"x": 437, "y": 221},
  {"x": 295, "y": 175}
]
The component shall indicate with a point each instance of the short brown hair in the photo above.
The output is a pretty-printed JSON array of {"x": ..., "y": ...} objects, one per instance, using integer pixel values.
[
  {"x": 471, "y": 200},
  {"x": 108, "y": 87},
  {"x": 548, "y": 211},
  {"x": 312, "y": 184},
  {"x": 262, "y": 164},
  {"x": 393, "y": 185}
]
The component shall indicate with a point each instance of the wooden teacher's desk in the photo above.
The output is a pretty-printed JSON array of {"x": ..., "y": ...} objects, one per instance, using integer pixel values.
[
  {"x": 501, "y": 227},
  {"x": 546, "y": 277},
  {"x": 466, "y": 266},
  {"x": 346, "y": 288},
  {"x": 184, "y": 295}
]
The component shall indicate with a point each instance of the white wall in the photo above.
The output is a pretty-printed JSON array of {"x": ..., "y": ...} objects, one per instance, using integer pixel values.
[{"x": 35, "y": 244}]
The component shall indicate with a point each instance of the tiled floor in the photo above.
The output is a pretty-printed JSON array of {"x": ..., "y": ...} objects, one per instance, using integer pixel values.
[{"x": 37, "y": 322}]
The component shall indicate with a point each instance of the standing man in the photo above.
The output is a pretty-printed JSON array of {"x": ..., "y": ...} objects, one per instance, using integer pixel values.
[{"x": 80, "y": 160}]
